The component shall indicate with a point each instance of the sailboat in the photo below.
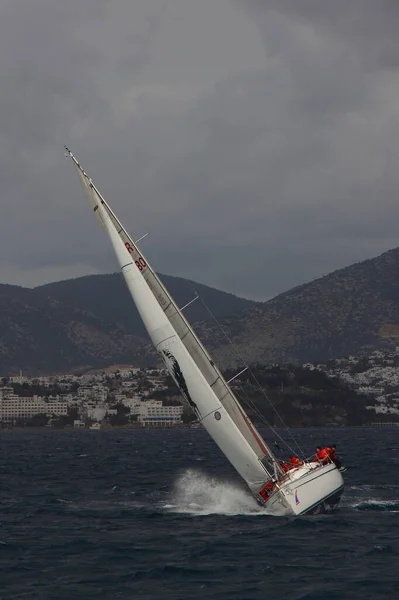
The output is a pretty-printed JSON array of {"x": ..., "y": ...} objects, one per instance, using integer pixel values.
[{"x": 309, "y": 487}]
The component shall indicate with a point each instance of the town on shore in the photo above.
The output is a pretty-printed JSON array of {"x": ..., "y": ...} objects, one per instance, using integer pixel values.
[
  {"x": 126, "y": 396},
  {"x": 346, "y": 391}
]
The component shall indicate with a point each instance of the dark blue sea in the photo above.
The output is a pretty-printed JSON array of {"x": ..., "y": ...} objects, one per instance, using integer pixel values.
[{"x": 150, "y": 515}]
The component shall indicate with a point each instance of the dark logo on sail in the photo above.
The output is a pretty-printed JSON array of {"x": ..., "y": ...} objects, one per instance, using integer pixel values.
[
  {"x": 218, "y": 416},
  {"x": 175, "y": 371}
]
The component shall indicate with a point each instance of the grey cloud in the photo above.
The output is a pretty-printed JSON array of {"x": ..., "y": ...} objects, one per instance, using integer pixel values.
[{"x": 254, "y": 169}]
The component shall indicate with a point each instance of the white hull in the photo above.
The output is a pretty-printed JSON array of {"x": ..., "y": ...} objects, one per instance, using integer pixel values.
[{"x": 306, "y": 489}]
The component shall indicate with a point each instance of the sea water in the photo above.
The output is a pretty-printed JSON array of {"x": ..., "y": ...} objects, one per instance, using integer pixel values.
[{"x": 161, "y": 514}]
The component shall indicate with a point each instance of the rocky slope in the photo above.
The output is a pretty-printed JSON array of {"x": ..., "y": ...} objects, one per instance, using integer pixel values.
[{"x": 350, "y": 311}]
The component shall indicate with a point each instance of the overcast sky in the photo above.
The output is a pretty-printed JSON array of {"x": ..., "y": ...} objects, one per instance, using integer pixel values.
[{"x": 257, "y": 141}]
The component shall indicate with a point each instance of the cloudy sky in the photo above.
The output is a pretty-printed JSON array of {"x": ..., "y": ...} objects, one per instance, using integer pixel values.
[{"x": 256, "y": 140}]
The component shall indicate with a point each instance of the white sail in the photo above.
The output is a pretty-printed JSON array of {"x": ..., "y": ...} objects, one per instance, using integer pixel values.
[
  {"x": 183, "y": 368},
  {"x": 201, "y": 357}
]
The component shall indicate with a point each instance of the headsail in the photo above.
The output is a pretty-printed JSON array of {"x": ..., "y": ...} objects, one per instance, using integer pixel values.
[
  {"x": 201, "y": 357},
  {"x": 179, "y": 361}
]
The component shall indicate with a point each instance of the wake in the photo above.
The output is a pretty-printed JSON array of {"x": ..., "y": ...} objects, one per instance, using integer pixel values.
[{"x": 198, "y": 494}]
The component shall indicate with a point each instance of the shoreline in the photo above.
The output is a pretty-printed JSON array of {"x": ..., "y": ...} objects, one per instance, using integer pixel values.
[{"x": 179, "y": 427}]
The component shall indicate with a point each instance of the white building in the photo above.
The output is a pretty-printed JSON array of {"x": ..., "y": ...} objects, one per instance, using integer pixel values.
[
  {"x": 13, "y": 407},
  {"x": 95, "y": 392},
  {"x": 46, "y": 381},
  {"x": 120, "y": 397},
  {"x": 18, "y": 379},
  {"x": 84, "y": 392},
  {"x": 133, "y": 403},
  {"x": 100, "y": 393},
  {"x": 97, "y": 413},
  {"x": 152, "y": 413}
]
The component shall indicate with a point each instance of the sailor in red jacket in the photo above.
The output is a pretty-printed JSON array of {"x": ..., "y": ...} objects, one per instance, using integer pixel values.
[
  {"x": 267, "y": 490},
  {"x": 284, "y": 465},
  {"x": 331, "y": 452},
  {"x": 334, "y": 458},
  {"x": 295, "y": 462},
  {"x": 323, "y": 455}
]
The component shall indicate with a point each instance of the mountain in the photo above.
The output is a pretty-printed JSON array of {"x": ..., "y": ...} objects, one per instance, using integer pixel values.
[
  {"x": 108, "y": 298},
  {"x": 87, "y": 322},
  {"x": 350, "y": 311},
  {"x": 91, "y": 321},
  {"x": 40, "y": 334}
]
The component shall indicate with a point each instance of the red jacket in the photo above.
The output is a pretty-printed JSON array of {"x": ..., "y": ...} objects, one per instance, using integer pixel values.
[
  {"x": 324, "y": 455},
  {"x": 332, "y": 454}
]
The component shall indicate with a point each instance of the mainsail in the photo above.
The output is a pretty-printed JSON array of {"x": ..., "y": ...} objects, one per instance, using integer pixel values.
[
  {"x": 199, "y": 354},
  {"x": 170, "y": 336}
]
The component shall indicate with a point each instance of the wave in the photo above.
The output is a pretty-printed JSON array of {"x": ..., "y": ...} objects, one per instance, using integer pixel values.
[
  {"x": 372, "y": 498},
  {"x": 377, "y": 505},
  {"x": 198, "y": 494},
  {"x": 377, "y": 487}
]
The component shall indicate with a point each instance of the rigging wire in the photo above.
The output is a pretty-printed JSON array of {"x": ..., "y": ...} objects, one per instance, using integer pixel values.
[
  {"x": 250, "y": 403},
  {"x": 250, "y": 371}
]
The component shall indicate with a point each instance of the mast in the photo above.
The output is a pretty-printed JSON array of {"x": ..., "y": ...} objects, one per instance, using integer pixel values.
[
  {"x": 183, "y": 368},
  {"x": 200, "y": 355}
]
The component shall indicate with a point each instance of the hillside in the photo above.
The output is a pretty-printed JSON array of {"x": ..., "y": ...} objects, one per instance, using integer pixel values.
[
  {"x": 40, "y": 334},
  {"x": 86, "y": 322},
  {"x": 91, "y": 321},
  {"x": 350, "y": 311},
  {"x": 108, "y": 298}
]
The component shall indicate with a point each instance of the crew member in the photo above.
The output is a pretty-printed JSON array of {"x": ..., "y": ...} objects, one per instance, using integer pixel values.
[
  {"x": 323, "y": 455},
  {"x": 333, "y": 456},
  {"x": 295, "y": 462},
  {"x": 267, "y": 490},
  {"x": 284, "y": 465}
]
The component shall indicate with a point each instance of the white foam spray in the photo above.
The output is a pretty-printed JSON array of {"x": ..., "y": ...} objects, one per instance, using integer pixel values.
[{"x": 198, "y": 494}]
